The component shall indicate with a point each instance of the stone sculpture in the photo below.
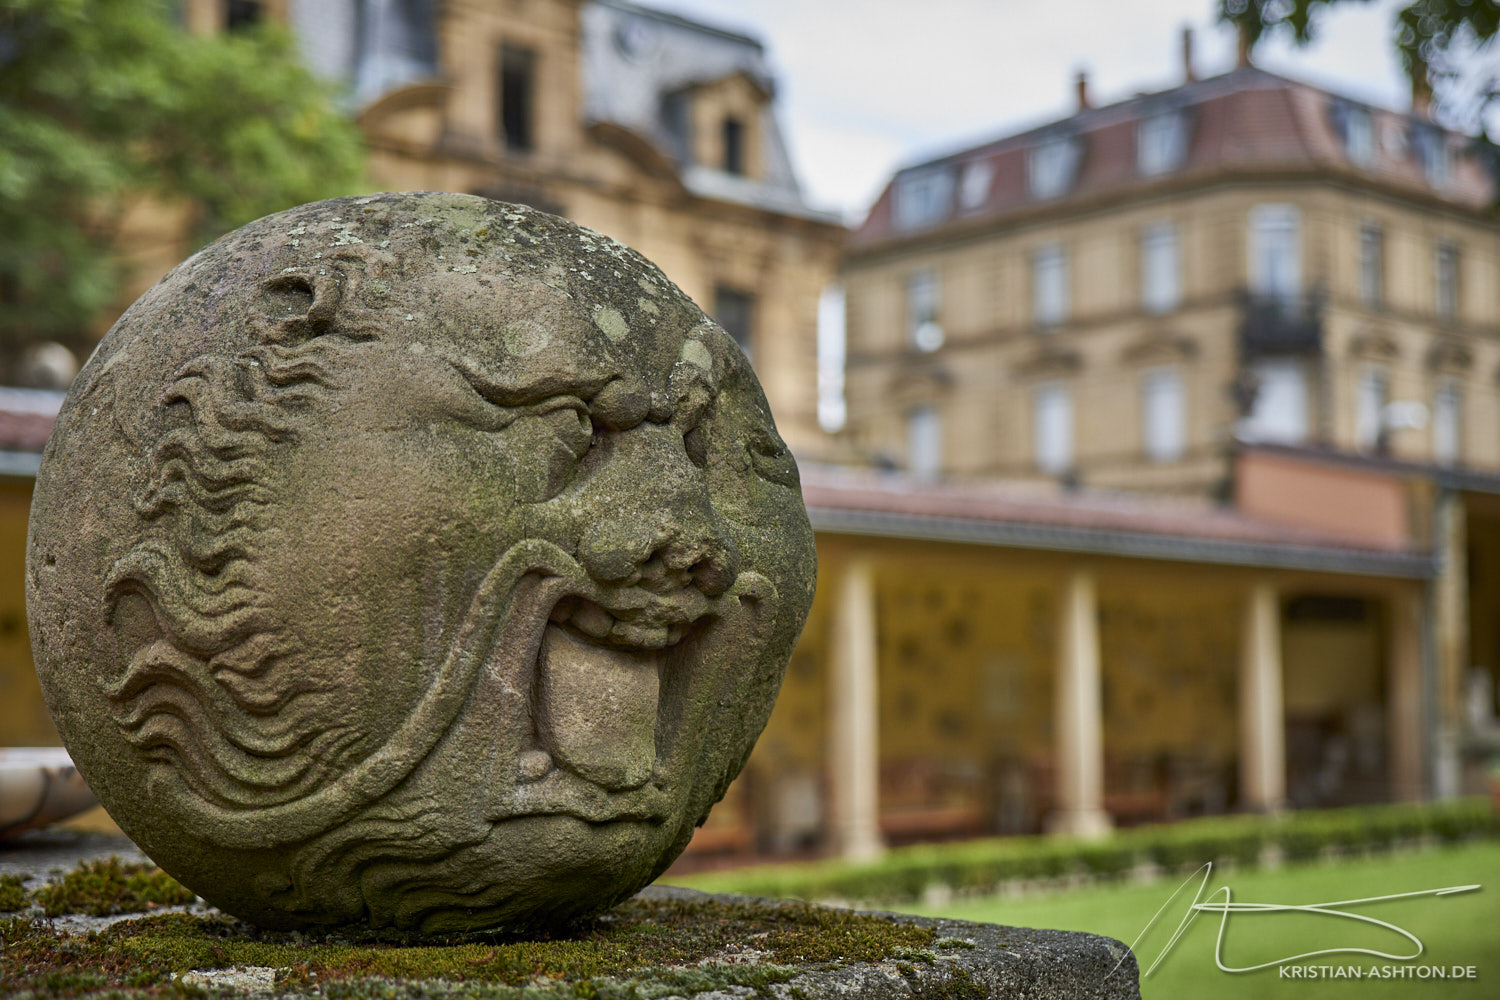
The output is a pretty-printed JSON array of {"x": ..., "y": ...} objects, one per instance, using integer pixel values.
[{"x": 416, "y": 560}]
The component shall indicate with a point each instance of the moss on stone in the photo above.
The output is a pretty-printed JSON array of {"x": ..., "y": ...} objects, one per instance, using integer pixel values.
[
  {"x": 12, "y": 896},
  {"x": 643, "y": 948},
  {"x": 109, "y": 886}
]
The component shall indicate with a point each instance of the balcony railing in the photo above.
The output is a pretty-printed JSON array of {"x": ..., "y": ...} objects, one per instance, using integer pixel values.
[{"x": 1280, "y": 323}]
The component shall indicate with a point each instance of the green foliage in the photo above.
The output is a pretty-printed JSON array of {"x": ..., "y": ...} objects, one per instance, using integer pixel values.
[
  {"x": 1426, "y": 30},
  {"x": 104, "y": 103},
  {"x": 983, "y": 865},
  {"x": 100, "y": 888},
  {"x": 1431, "y": 35}
]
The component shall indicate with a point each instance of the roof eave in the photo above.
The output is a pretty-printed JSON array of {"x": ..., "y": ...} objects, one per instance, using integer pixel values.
[{"x": 1124, "y": 544}]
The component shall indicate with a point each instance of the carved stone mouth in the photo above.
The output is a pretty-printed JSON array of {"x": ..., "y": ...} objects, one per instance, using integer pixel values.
[{"x": 599, "y": 686}]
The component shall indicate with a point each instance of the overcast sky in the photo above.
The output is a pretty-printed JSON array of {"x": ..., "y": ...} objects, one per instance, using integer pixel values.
[{"x": 865, "y": 87}]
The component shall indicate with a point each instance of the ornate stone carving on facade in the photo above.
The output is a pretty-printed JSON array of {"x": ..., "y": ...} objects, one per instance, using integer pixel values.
[
  {"x": 1450, "y": 356},
  {"x": 1049, "y": 361},
  {"x": 1374, "y": 344},
  {"x": 416, "y": 560},
  {"x": 1160, "y": 347}
]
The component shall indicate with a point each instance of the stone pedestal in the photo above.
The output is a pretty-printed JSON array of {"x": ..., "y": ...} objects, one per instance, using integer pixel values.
[{"x": 664, "y": 942}]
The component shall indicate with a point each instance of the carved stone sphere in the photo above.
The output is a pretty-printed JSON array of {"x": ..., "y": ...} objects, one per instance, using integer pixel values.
[{"x": 416, "y": 561}]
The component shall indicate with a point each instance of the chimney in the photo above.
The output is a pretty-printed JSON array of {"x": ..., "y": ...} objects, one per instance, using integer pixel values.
[
  {"x": 1421, "y": 91},
  {"x": 1083, "y": 91},
  {"x": 1242, "y": 60},
  {"x": 1187, "y": 55}
]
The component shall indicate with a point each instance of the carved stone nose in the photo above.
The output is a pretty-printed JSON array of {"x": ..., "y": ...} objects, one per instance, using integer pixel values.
[{"x": 666, "y": 533}]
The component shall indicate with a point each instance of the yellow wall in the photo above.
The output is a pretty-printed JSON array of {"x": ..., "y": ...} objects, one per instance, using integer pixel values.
[{"x": 23, "y": 716}]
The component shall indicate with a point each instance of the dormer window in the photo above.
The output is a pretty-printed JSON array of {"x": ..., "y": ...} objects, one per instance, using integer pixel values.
[
  {"x": 517, "y": 98},
  {"x": 974, "y": 184},
  {"x": 734, "y": 146},
  {"x": 923, "y": 197},
  {"x": 1359, "y": 135},
  {"x": 1161, "y": 141},
  {"x": 1436, "y": 154},
  {"x": 1050, "y": 167}
]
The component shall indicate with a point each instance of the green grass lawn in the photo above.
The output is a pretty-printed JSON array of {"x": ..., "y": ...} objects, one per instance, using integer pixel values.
[{"x": 1460, "y": 929}]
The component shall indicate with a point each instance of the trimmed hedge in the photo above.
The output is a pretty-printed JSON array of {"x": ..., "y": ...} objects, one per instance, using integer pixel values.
[{"x": 978, "y": 866}]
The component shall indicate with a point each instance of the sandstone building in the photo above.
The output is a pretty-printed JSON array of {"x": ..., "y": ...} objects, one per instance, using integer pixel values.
[
  {"x": 656, "y": 130},
  {"x": 1118, "y": 297}
]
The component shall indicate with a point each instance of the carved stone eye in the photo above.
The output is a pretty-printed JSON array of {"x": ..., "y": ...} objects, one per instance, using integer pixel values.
[
  {"x": 547, "y": 448},
  {"x": 288, "y": 296},
  {"x": 295, "y": 307}
]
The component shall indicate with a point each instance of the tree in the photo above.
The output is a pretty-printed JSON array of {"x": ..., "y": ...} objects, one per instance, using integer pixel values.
[
  {"x": 104, "y": 103},
  {"x": 1435, "y": 39}
]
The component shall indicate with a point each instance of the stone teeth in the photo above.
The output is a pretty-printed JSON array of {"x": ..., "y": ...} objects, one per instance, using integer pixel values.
[
  {"x": 593, "y": 620},
  {"x": 649, "y": 636},
  {"x": 533, "y": 765}
]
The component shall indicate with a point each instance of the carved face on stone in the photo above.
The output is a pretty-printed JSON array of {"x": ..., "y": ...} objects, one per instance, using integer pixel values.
[{"x": 418, "y": 560}]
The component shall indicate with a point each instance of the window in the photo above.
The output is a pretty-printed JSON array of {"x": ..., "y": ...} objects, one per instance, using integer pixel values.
[
  {"x": 924, "y": 442},
  {"x": 1435, "y": 153},
  {"x": 241, "y": 14},
  {"x": 1049, "y": 285},
  {"x": 1359, "y": 135},
  {"x": 1275, "y": 252},
  {"x": 735, "y": 311},
  {"x": 974, "y": 184},
  {"x": 1052, "y": 428},
  {"x": 1161, "y": 268},
  {"x": 922, "y": 197},
  {"x": 517, "y": 97},
  {"x": 1446, "y": 273},
  {"x": 1371, "y": 265},
  {"x": 922, "y": 328},
  {"x": 1371, "y": 397},
  {"x": 1447, "y": 418},
  {"x": 1160, "y": 143},
  {"x": 734, "y": 146},
  {"x": 1163, "y": 415},
  {"x": 677, "y": 122},
  {"x": 1279, "y": 413},
  {"x": 1049, "y": 168}
]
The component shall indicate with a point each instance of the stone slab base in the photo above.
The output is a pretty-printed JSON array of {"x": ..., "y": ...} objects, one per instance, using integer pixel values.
[
  {"x": 726, "y": 946},
  {"x": 969, "y": 960}
]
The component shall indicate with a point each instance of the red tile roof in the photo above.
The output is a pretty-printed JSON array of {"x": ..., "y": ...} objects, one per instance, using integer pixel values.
[
  {"x": 838, "y": 495},
  {"x": 1247, "y": 119},
  {"x": 26, "y": 417}
]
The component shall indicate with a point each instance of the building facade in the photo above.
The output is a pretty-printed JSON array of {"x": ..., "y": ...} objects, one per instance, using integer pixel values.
[
  {"x": 1118, "y": 298},
  {"x": 653, "y": 129}
]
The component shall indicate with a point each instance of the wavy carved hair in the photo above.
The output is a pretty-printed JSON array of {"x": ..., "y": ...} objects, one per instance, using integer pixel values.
[{"x": 216, "y": 693}]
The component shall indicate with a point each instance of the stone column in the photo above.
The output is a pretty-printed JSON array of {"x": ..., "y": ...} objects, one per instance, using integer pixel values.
[
  {"x": 1262, "y": 711},
  {"x": 853, "y": 705},
  {"x": 1451, "y": 626},
  {"x": 1404, "y": 696},
  {"x": 1079, "y": 725}
]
